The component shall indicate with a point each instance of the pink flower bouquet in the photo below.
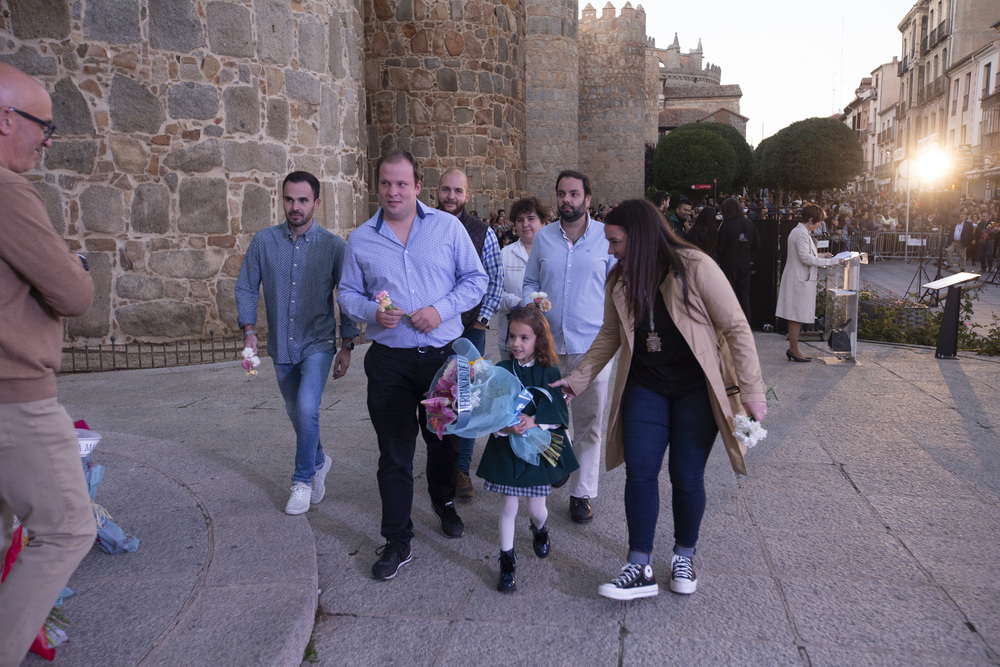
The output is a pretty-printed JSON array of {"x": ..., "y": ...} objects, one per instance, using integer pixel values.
[
  {"x": 250, "y": 361},
  {"x": 385, "y": 303}
]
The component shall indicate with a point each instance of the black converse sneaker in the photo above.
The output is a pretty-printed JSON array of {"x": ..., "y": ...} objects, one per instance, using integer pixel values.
[
  {"x": 635, "y": 581},
  {"x": 683, "y": 580}
]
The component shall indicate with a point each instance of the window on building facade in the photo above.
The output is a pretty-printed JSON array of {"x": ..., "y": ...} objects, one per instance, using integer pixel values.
[
  {"x": 965, "y": 98},
  {"x": 962, "y": 142},
  {"x": 954, "y": 98},
  {"x": 987, "y": 74},
  {"x": 951, "y": 138}
]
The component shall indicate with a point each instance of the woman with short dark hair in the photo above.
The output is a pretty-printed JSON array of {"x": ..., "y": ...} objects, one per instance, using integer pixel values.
[{"x": 797, "y": 291}]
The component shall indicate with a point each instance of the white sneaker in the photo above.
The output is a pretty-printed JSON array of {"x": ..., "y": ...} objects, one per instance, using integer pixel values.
[
  {"x": 319, "y": 481},
  {"x": 683, "y": 580},
  {"x": 299, "y": 501}
]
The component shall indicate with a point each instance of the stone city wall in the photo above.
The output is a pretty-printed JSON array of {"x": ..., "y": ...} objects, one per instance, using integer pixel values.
[
  {"x": 177, "y": 120},
  {"x": 614, "y": 113},
  {"x": 445, "y": 81},
  {"x": 553, "y": 95}
]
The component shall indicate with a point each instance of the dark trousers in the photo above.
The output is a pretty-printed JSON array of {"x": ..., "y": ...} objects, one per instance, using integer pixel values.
[
  {"x": 650, "y": 423},
  {"x": 398, "y": 378},
  {"x": 740, "y": 280}
]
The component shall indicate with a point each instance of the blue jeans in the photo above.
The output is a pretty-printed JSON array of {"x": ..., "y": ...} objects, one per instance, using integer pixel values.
[
  {"x": 465, "y": 445},
  {"x": 650, "y": 423},
  {"x": 301, "y": 386}
]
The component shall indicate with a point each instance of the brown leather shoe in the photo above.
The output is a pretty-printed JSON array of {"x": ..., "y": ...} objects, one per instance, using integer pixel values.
[{"x": 464, "y": 489}]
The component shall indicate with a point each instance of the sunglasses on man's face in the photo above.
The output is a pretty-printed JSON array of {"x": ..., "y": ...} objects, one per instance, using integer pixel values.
[{"x": 49, "y": 127}]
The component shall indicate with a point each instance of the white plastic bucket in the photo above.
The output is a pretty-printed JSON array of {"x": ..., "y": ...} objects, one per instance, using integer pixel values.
[{"x": 88, "y": 440}]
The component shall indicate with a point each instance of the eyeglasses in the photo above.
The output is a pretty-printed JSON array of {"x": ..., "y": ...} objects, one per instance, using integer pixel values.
[{"x": 49, "y": 127}]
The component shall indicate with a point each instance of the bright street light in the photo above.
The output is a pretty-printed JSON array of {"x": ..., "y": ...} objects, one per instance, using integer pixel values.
[{"x": 932, "y": 165}]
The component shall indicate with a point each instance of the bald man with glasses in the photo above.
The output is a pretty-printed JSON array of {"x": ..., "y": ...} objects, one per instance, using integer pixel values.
[{"x": 41, "y": 282}]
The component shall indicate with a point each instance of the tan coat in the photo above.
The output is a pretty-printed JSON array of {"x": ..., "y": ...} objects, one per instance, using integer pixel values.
[{"x": 715, "y": 329}]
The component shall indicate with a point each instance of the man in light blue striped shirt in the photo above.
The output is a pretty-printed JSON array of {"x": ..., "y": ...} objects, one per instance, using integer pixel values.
[{"x": 425, "y": 261}]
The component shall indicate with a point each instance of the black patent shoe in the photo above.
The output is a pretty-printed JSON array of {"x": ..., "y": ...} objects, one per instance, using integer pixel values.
[
  {"x": 540, "y": 540},
  {"x": 508, "y": 565}
]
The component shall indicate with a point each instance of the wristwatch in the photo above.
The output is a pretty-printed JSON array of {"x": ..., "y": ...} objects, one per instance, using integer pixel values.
[
  {"x": 485, "y": 321},
  {"x": 348, "y": 344}
]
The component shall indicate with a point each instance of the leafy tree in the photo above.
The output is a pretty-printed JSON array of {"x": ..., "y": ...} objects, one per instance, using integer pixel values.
[
  {"x": 765, "y": 165},
  {"x": 694, "y": 156},
  {"x": 812, "y": 154},
  {"x": 744, "y": 154}
]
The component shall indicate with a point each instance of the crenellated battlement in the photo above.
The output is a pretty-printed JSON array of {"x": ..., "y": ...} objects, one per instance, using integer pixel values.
[{"x": 627, "y": 26}]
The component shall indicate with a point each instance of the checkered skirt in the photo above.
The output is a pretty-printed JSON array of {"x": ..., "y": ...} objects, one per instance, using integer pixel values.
[{"x": 539, "y": 491}]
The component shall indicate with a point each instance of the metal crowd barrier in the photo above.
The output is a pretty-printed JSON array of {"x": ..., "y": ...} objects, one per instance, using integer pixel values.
[
  {"x": 895, "y": 244},
  {"x": 882, "y": 244}
]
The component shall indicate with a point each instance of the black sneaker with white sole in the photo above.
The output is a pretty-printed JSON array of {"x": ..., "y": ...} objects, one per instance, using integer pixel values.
[
  {"x": 392, "y": 556},
  {"x": 683, "y": 580},
  {"x": 635, "y": 581},
  {"x": 451, "y": 523}
]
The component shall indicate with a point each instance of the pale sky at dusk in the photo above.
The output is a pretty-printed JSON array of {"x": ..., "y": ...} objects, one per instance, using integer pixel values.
[{"x": 789, "y": 56}]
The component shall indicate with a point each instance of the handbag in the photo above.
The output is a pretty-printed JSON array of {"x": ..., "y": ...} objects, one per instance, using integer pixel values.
[{"x": 840, "y": 340}]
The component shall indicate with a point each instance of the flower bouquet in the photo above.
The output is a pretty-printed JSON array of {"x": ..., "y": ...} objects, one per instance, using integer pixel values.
[
  {"x": 250, "y": 361},
  {"x": 385, "y": 303},
  {"x": 53, "y": 631},
  {"x": 540, "y": 300},
  {"x": 470, "y": 397},
  {"x": 748, "y": 431},
  {"x": 110, "y": 536}
]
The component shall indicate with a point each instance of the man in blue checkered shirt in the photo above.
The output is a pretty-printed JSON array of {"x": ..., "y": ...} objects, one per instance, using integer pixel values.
[
  {"x": 298, "y": 263},
  {"x": 452, "y": 196}
]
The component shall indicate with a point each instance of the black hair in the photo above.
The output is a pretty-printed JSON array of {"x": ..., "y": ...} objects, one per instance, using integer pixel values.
[{"x": 302, "y": 177}]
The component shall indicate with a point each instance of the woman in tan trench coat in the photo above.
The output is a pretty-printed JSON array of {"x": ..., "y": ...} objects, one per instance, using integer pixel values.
[{"x": 688, "y": 366}]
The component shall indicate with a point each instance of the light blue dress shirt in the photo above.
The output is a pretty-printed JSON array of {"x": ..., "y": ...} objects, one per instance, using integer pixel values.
[
  {"x": 298, "y": 277},
  {"x": 573, "y": 277},
  {"x": 437, "y": 267}
]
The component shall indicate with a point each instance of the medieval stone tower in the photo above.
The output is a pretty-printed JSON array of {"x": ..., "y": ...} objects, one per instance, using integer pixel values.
[
  {"x": 614, "y": 110},
  {"x": 445, "y": 80},
  {"x": 553, "y": 94}
]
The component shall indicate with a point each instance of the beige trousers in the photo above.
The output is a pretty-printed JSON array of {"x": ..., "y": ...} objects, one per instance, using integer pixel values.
[
  {"x": 956, "y": 248},
  {"x": 586, "y": 413},
  {"x": 42, "y": 482}
]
